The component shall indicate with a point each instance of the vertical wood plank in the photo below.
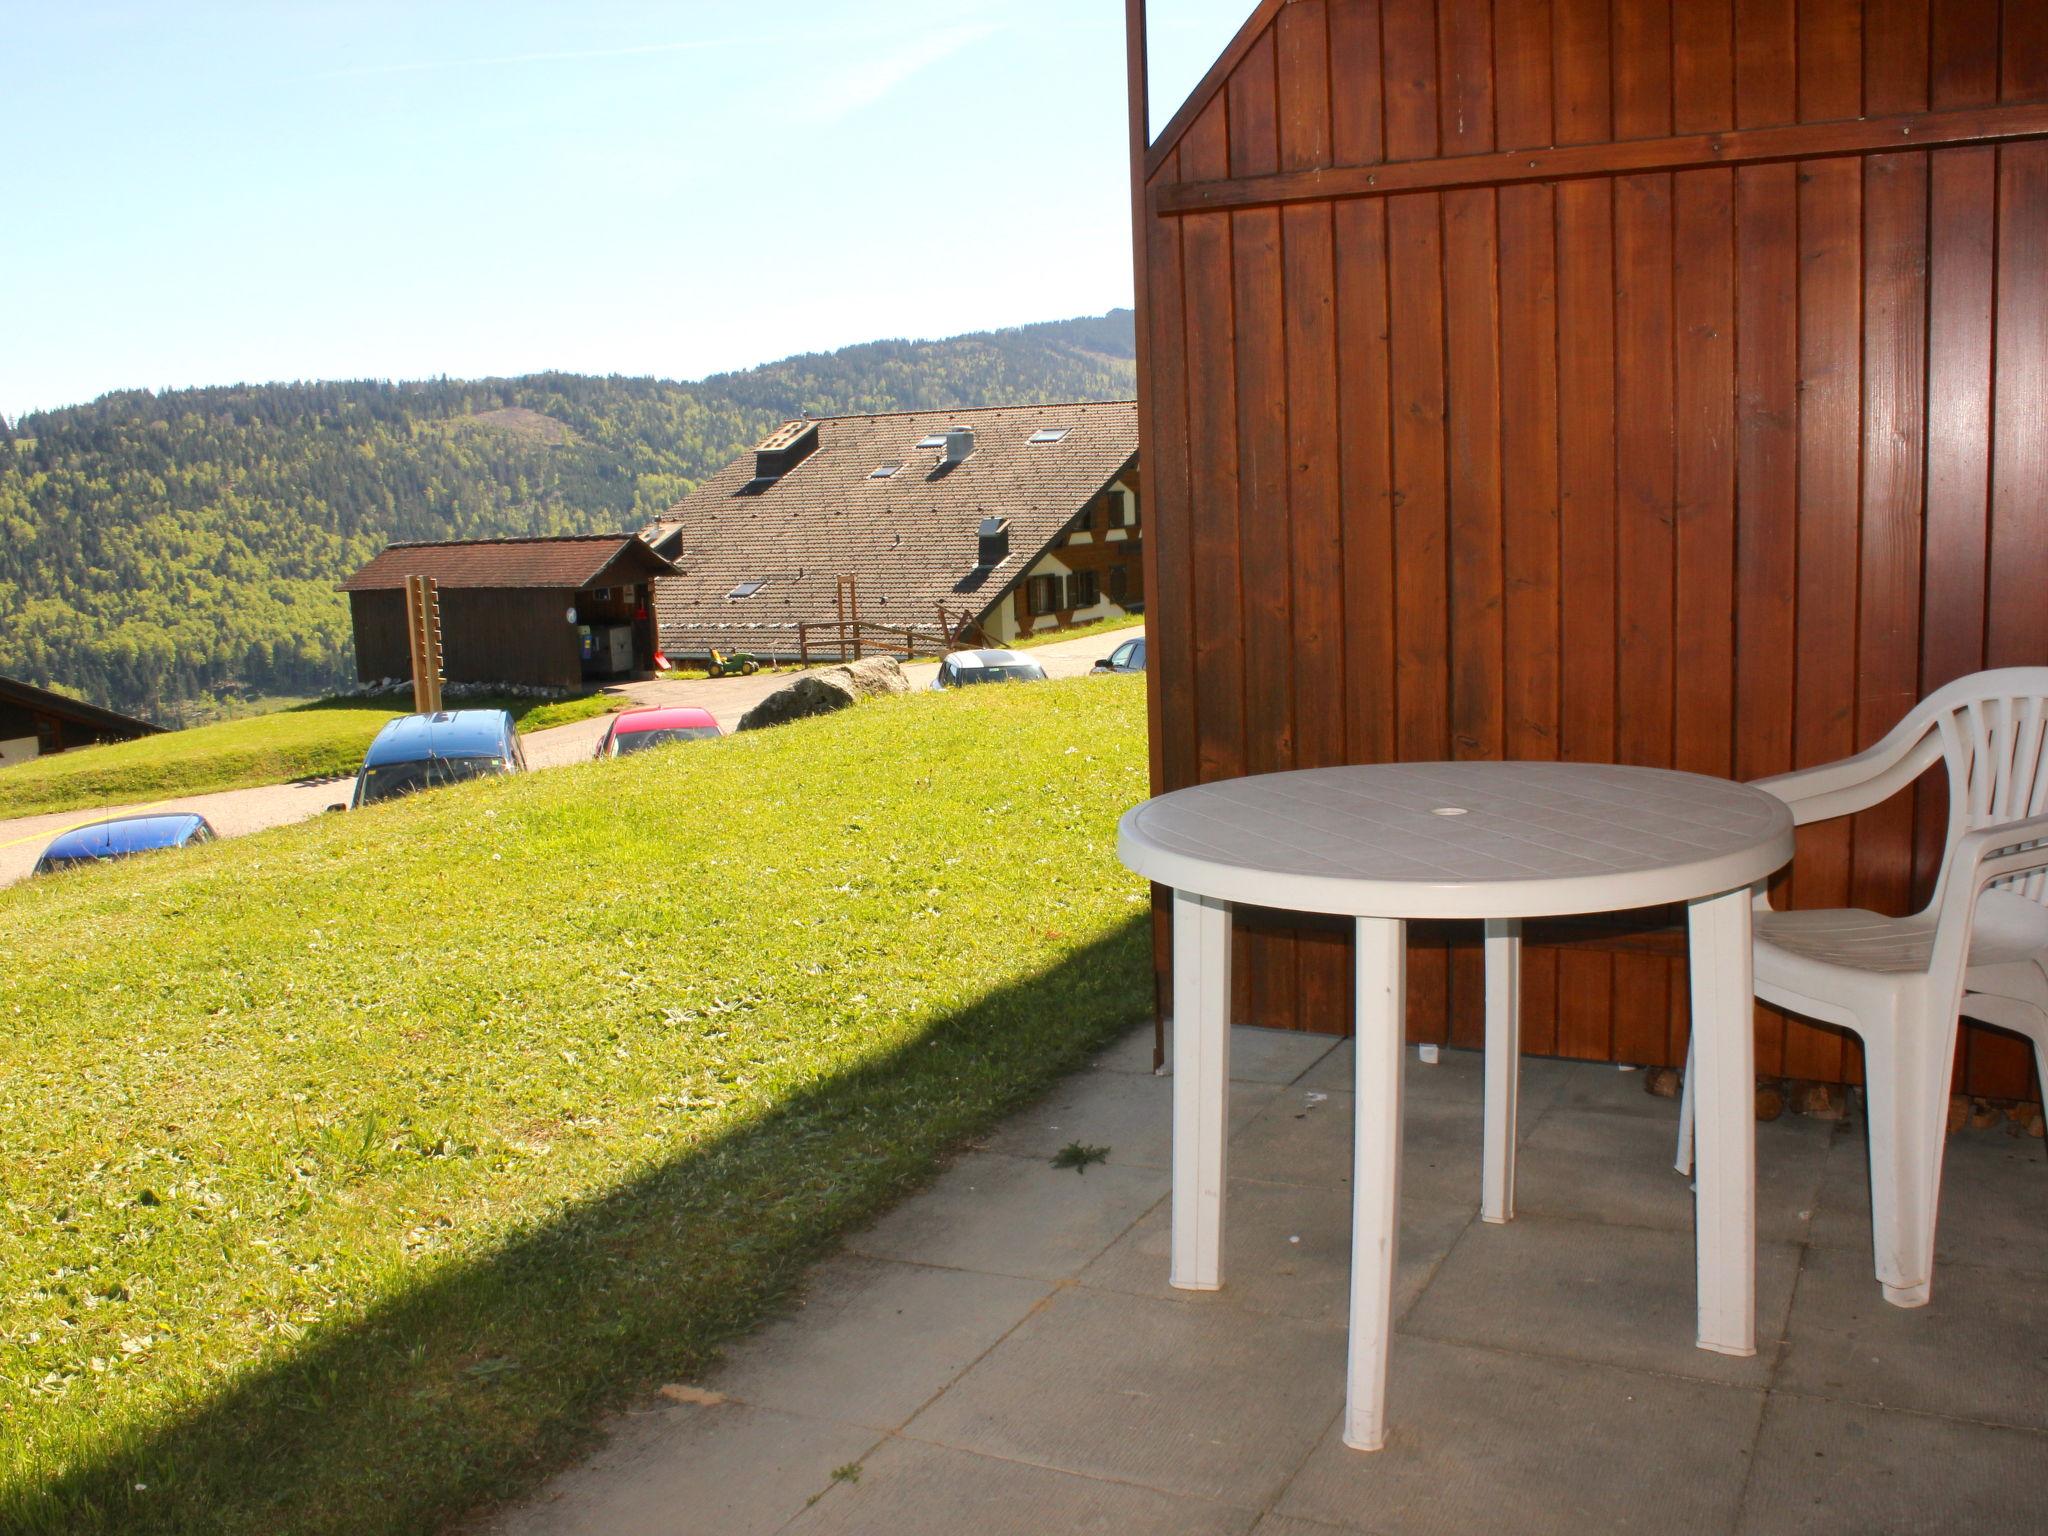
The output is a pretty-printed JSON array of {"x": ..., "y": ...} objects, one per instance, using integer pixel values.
[
  {"x": 1585, "y": 394},
  {"x": 1529, "y": 501},
  {"x": 1169, "y": 571},
  {"x": 1366, "y": 476},
  {"x": 1357, "y": 105},
  {"x": 1766, "y": 62},
  {"x": 1766, "y": 473}
]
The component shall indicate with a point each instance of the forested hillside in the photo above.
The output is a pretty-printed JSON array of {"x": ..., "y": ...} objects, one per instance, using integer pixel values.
[{"x": 160, "y": 552}]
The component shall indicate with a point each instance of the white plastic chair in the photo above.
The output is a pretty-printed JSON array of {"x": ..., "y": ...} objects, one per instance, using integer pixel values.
[{"x": 1979, "y": 948}]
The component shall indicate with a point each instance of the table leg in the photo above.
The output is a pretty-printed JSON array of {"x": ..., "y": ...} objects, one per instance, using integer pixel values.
[
  {"x": 1201, "y": 1087},
  {"x": 1503, "y": 1065},
  {"x": 1724, "y": 1066},
  {"x": 1375, "y": 1174}
]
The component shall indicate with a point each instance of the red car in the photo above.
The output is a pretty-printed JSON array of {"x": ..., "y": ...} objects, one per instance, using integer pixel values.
[{"x": 655, "y": 725}]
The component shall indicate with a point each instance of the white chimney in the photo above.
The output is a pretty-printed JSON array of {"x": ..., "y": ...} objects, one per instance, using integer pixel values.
[{"x": 959, "y": 444}]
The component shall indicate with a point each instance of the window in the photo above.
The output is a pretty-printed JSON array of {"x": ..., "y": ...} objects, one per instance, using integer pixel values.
[
  {"x": 932, "y": 440},
  {"x": 748, "y": 588},
  {"x": 1049, "y": 434},
  {"x": 1118, "y": 504},
  {"x": 885, "y": 469},
  {"x": 1083, "y": 590},
  {"x": 1119, "y": 583},
  {"x": 1042, "y": 594}
]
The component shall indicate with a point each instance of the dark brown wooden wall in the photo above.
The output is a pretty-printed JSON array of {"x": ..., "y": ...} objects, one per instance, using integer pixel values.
[
  {"x": 510, "y": 635},
  {"x": 1712, "y": 466}
]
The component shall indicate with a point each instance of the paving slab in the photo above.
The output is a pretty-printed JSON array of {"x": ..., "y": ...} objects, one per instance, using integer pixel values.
[
  {"x": 1994, "y": 1200},
  {"x": 1978, "y": 1350},
  {"x": 874, "y": 1340},
  {"x": 1129, "y": 1113},
  {"x": 1824, "y": 1469},
  {"x": 694, "y": 1470},
  {"x": 1620, "y": 1296},
  {"x": 1268, "y": 1055},
  {"x": 1456, "y": 1074},
  {"x": 1132, "y": 1053},
  {"x": 1304, "y": 1137},
  {"x": 1289, "y": 1525},
  {"x": 912, "y": 1489},
  {"x": 1616, "y": 1168},
  {"x": 1015, "y": 1216},
  {"x": 1286, "y": 1249},
  {"x": 1485, "y": 1441},
  {"x": 1214, "y": 1402}
]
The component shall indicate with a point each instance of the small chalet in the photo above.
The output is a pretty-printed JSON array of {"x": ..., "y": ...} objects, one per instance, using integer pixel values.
[
  {"x": 35, "y": 722},
  {"x": 548, "y": 613},
  {"x": 946, "y": 526}
]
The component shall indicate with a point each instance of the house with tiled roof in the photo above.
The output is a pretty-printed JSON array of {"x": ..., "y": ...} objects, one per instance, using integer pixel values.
[
  {"x": 549, "y": 613},
  {"x": 984, "y": 524}
]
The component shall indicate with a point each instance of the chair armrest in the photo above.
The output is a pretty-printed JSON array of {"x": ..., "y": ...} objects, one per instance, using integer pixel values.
[{"x": 1856, "y": 783}]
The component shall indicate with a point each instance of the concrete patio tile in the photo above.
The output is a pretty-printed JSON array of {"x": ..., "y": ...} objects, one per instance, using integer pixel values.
[
  {"x": 1289, "y": 1525},
  {"x": 1014, "y": 1216},
  {"x": 1130, "y": 1114},
  {"x": 1622, "y": 1296},
  {"x": 1214, "y": 1402},
  {"x": 874, "y": 1340},
  {"x": 1994, "y": 1200},
  {"x": 1131, "y": 1053},
  {"x": 1274, "y": 1055},
  {"x": 1286, "y": 1249},
  {"x": 1617, "y": 1169},
  {"x": 1604, "y": 1087},
  {"x": 1834, "y": 1467},
  {"x": 1483, "y": 1441},
  {"x": 691, "y": 1470},
  {"x": 908, "y": 1488},
  {"x": 1456, "y": 1076},
  {"x": 1304, "y": 1139},
  {"x": 1978, "y": 1350}
]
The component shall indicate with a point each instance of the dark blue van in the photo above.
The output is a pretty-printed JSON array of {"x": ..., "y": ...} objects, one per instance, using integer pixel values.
[{"x": 416, "y": 752}]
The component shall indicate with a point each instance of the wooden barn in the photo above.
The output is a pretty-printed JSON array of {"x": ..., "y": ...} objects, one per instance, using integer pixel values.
[
  {"x": 35, "y": 722},
  {"x": 1640, "y": 381},
  {"x": 544, "y": 613}
]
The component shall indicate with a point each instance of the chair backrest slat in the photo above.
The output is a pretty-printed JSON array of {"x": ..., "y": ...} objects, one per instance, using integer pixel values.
[{"x": 1994, "y": 740}]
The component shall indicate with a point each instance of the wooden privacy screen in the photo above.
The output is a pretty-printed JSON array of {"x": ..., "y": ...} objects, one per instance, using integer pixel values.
[{"x": 1649, "y": 381}]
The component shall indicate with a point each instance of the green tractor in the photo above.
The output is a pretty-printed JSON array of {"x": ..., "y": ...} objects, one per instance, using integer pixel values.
[{"x": 733, "y": 664}]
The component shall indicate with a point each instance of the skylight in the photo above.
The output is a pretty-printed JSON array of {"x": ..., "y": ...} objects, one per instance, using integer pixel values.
[
  {"x": 1049, "y": 434},
  {"x": 932, "y": 440},
  {"x": 748, "y": 588},
  {"x": 885, "y": 469}
]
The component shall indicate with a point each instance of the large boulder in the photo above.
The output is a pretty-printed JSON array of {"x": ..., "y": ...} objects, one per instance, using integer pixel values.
[{"x": 825, "y": 690}]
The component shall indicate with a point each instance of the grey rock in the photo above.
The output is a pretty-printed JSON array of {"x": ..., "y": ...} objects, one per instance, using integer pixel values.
[{"x": 826, "y": 690}]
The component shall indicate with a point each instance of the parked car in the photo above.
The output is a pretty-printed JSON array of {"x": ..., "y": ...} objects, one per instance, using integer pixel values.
[
  {"x": 655, "y": 725},
  {"x": 416, "y": 752},
  {"x": 123, "y": 836},
  {"x": 962, "y": 668},
  {"x": 1128, "y": 657}
]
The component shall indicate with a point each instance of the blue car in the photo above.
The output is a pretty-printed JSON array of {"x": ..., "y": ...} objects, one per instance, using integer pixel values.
[
  {"x": 122, "y": 836},
  {"x": 416, "y": 752}
]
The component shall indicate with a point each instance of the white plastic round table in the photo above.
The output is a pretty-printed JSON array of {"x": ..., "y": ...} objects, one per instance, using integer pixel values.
[{"x": 1497, "y": 842}]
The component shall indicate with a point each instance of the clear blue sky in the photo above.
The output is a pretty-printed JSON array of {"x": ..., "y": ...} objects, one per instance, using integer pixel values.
[{"x": 211, "y": 193}]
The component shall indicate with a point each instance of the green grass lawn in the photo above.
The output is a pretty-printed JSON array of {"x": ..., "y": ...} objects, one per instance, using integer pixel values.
[
  {"x": 1081, "y": 631},
  {"x": 311, "y": 741},
  {"x": 353, "y": 1169}
]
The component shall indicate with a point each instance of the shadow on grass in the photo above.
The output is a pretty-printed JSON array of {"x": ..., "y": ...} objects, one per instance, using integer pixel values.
[{"x": 472, "y": 1385}]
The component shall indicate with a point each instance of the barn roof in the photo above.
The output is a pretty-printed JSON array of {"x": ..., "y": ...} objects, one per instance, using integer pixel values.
[
  {"x": 42, "y": 701},
  {"x": 569, "y": 563},
  {"x": 911, "y": 539}
]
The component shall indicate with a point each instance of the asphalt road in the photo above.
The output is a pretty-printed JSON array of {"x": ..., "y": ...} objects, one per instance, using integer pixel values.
[{"x": 235, "y": 811}]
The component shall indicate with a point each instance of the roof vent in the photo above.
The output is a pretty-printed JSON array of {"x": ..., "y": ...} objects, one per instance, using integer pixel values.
[
  {"x": 785, "y": 448},
  {"x": 959, "y": 444},
  {"x": 995, "y": 541}
]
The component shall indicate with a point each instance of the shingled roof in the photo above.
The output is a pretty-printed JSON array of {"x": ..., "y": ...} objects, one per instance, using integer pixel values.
[
  {"x": 571, "y": 562},
  {"x": 910, "y": 540}
]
